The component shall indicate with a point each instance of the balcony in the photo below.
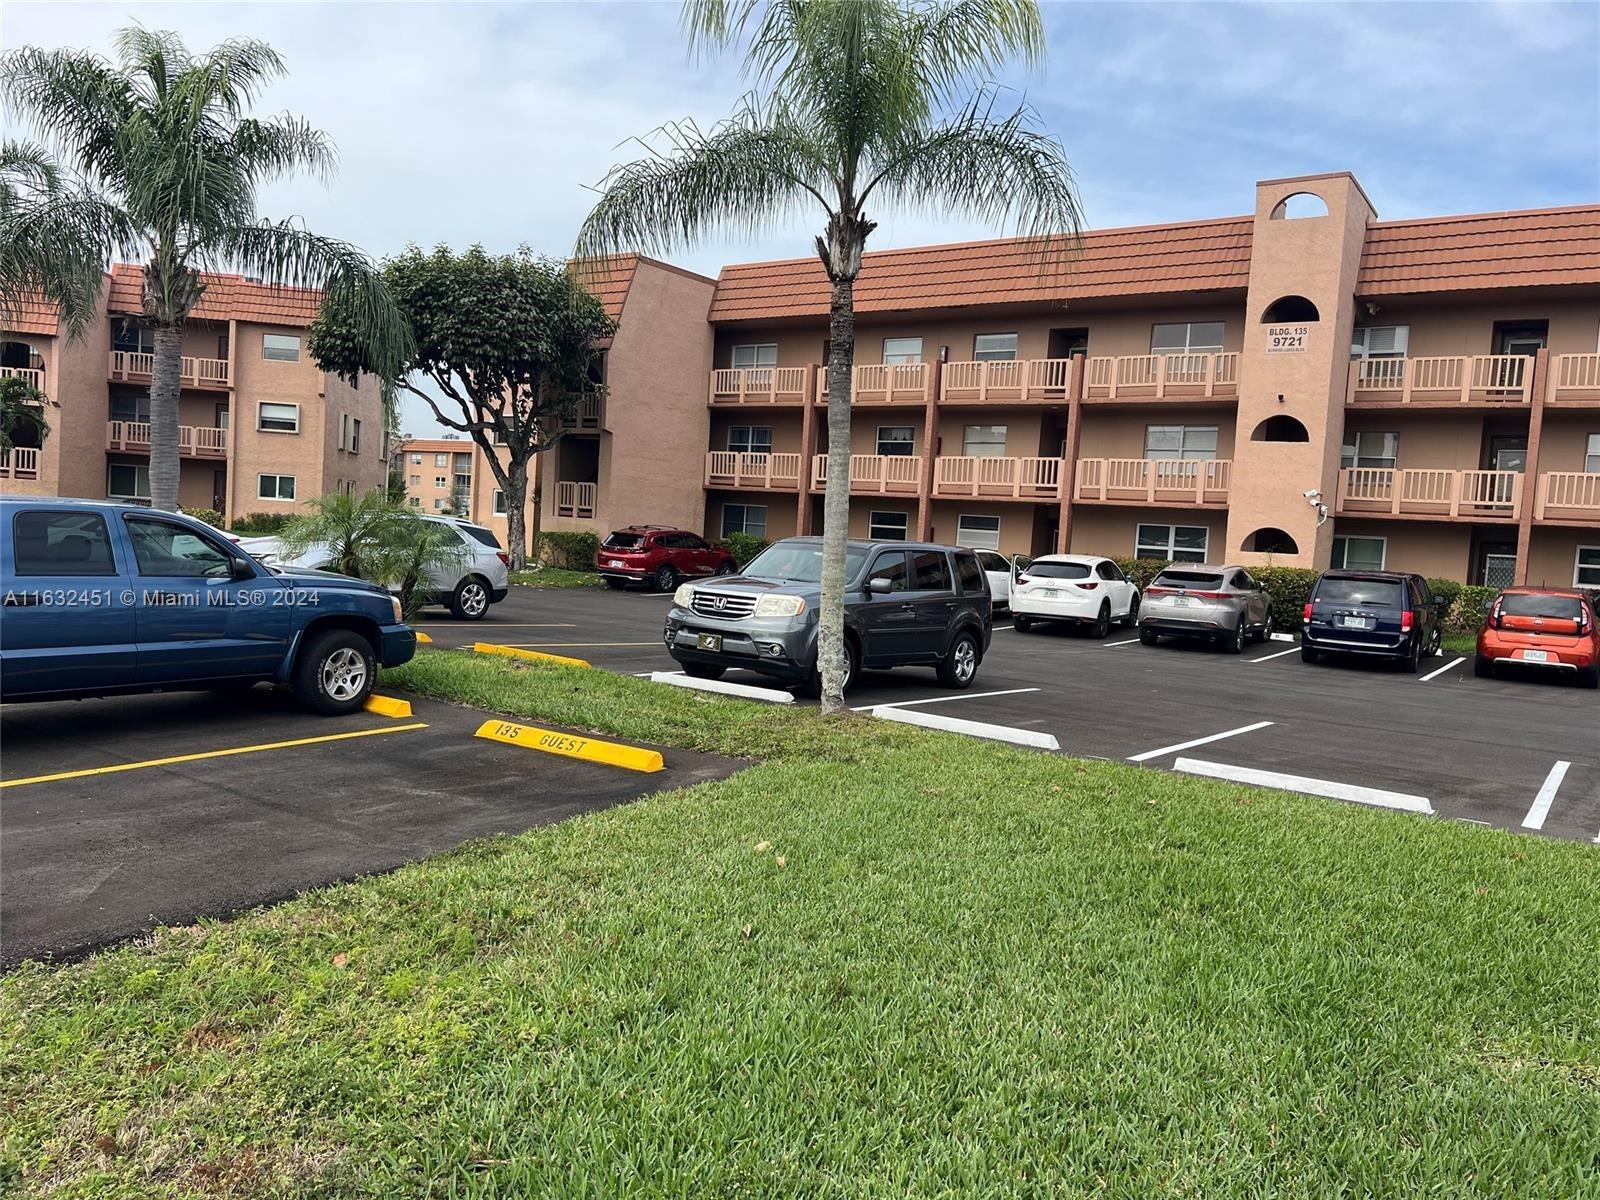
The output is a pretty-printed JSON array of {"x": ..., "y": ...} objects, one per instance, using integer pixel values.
[
  {"x": 736, "y": 469},
  {"x": 574, "y": 499},
  {"x": 997, "y": 478},
  {"x": 883, "y": 383},
  {"x": 1464, "y": 379},
  {"x": 1180, "y": 481},
  {"x": 1568, "y": 496},
  {"x": 1161, "y": 377},
  {"x": 19, "y": 462},
  {"x": 1575, "y": 377},
  {"x": 585, "y": 415},
  {"x": 1429, "y": 492},
  {"x": 1012, "y": 381},
  {"x": 759, "y": 385},
  {"x": 129, "y": 366},
  {"x": 194, "y": 441},
  {"x": 32, "y": 376},
  {"x": 875, "y": 474}
]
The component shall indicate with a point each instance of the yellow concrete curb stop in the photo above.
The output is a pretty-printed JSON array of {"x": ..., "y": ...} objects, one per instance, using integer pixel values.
[
  {"x": 423, "y": 639},
  {"x": 509, "y": 652},
  {"x": 388, "y": 706},
  {"x": 551, "y": 741}
]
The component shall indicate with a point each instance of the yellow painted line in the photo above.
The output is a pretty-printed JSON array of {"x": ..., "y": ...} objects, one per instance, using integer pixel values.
[
  {"x": 388, "y": 706},
  {"x": 183, "y": 758},
  {"x": 569, "y": 745},
  {"x": 509, "y": 652},
  {"x": 423, "y": 639},
  {"x": 498, "y": 625},
  {"x": 579, "y": 645}
]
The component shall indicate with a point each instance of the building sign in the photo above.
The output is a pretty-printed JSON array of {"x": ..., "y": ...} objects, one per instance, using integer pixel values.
[{"x": 1286, "y": 339}]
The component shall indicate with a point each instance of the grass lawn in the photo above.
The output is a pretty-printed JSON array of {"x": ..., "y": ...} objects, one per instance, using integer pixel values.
[
  {"x": 555, "y": 577},
  {"x": 883, "y": 962},
  {"x": 1460, "y": 643}
]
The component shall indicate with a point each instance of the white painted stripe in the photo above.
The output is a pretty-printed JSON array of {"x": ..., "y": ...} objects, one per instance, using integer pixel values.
[
  {"x": 1277, "y": 654},
  {"x": 1215, "y": 737},
  {"x": 977, "y": 729},
  {"x": 1001, "y": 628},
  {"x": 678, "y": 679},
  {"x": 1284, "y": 637},
  {"x": 1454, "y": 663},
  {"x": 647, "y": 674},
  {"x": 1312, "y": 787},
  {"x": 1546, "y": 795},
  {"x": 1111, "y": 645},
  {"x": 944, "y": 699}
]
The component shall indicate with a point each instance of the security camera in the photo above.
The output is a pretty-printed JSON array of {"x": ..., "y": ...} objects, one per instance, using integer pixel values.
[{"x": 1312, "y": 494}]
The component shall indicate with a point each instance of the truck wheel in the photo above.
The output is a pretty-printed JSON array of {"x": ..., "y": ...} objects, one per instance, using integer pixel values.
[
  {"x": 812, "y": 687},
  {"x": 960, "y": 667},
  {"x": 334, "y": 673},
  {"x": 470, "y": 602}
]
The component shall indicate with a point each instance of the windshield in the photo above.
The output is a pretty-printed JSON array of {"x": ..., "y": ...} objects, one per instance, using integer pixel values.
[
  {"x": 1188, "y": 579},
  {"x": 623, "y": 541},
  {"x": 1560, "y": 608},
  {"x": 800, "y": 562},
  {"x": 1057, "y": 570},
  {"x": 1361, "y": 591}
]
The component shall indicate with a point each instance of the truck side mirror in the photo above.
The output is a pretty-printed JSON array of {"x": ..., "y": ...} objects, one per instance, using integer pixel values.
[{"x": 880, "y": 585}]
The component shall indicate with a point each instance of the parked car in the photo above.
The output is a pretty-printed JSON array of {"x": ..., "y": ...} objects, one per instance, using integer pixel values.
[
  {"x": 1075, "y": 589},
  {"x": 659, "y": 555},
  {"x": 1381, "y": 614},
  {"x": 905, "y": 604},
  {"x": 1000, "y": 570},
  {"x": 1224, "y": 603},
  {"x": 103, "y": 598},
  {"x": 1552, "y": 629},
  {"x": 467, "y": 588}
]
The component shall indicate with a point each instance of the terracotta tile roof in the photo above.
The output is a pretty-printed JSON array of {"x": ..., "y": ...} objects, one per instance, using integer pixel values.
[
  {"x": 1146, "y": 260},
  {"x": 609, "y": 280},
  {"x": 227, "y": 297},
  {"x": 1482, "y": 250},
  {"x": 433, "y": 445},
  {"x": 32, "y": 316}
]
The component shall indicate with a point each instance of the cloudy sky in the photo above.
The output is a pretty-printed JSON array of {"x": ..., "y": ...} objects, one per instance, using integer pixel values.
[{"x": 491, "y": 122}]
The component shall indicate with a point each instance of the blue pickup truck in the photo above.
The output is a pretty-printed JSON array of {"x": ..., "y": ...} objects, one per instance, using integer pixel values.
[{"x": 102, "y": 598}]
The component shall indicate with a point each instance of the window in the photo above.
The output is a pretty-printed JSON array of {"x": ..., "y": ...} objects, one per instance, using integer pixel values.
[
  {"x": 161, "y": 548},
  {"x": 1358, "y": 553},
  {"x": 499, "y": 503},
  {"x": 278, "y": 418},
  {"x": 275, "y": 487},
  {"x": 897, "y": 440},
  {"x": 280, "y": 347},
  {"x": 994, "y": 347},
  {"x": 1286, "y": 309},
  {"x": 441, "y": 460},
  {"x": 1591, "y": 454},
  {"x": 763, "y": 355},
  {"x": 1370, "y": 448},
  {"x": 984, "y": 441},
  {"x": 1189, "y": 337},
  {"x": 1175, "y": 543},
  {"x": 990, "y": 560},
  {"x": 125, "y": 481},
  {"x": 440, "y": 481},
  {"x": 970, "y": 574},
  {"x": 416, "y": 502},
  {"x": 62, "y": 543},
  {"x": 1180, "y": 441},
  {"x": 416, "y": 460},
  {"x": 414, "y": 480},
  {"x": 930, "y": 571},
  {"x": 347, "y": 486},
  {"x": 1379, "y": 341},
  {"x": 135, "y": 339},
  {"x": 1107, "y": 570},
  {"x": 350, "y": 435},
  {"x": 902, "y": 350},
  {"x": 1586, "y": 569},
  {"x": 222, "y": 416},
  {"x": 750, "y": 439},
  {"x": 744, "y": 518},
  {"x": 438, "y": 504},
  {"x": 888, "y": 526},
  {"x": 891, "y": 565},
  {"x": 978, "y": 533}
]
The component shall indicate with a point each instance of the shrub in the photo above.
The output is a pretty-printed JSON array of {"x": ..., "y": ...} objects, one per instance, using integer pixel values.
[
  {"x": 1290, "y": 588},
  {"x": 743, "y": 546},
  {"x": 573, "y": 551},
  {"x": 1447, "y": 590},
  {"x": 1472, "y": 602},
  {"x": 209, "y": 515},
  {"x": 1142, "y": 571},
  {"x": 261, "y": 523}
]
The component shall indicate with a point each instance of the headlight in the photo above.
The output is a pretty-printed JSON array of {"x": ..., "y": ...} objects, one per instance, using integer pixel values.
[
  {"x": 683, "y": 595},
  {"x": 780, "y": 606},
  {"x": 399, "y": 613}
]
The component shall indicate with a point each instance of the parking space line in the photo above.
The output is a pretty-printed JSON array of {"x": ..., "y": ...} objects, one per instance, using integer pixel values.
[
  {"x": 1454, "y": 663},
  {"x": 204, "y": 754},
  {"x": 1113, "y": 645},
  {"x": 1215, "y": 737},
  {"x": 1546, "y": 796},
  {"x": 576, "y": 645},
  {"x": 977, "y": 729},
  {"x": 496, "y": 625},
  {"x": 1311, "y": 787},
  {"x": 1276, "y": 654},
  {"x": 943, "y": 699}
]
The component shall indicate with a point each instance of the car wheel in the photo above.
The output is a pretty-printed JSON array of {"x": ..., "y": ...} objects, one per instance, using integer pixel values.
[
  {"x": 1021, "y": 624},
  {"x": 1148, "y": 637},
  {"x": 1483, "y": 666},
  {"x": 1308, "y": 654},
  {"x": 960, "y": 666},
  {"x": 703, "y": 671},
  {"x": 334, "y": 673},
  {"x": 1132, "y": 619},
  {"x": 1589, "y": 678},
  {"x": 1436, "y": 646},
  {"x": 1102, "y": 621},
  {"x": 812, "y": 687},
  {"x": 1232, "y": 643},
  {"x": 727, "y": 567},
  {"x": 615, "y": 584},
  {"x": 666, "y": 580},
  {"x": 1412, "y": 659},
  {"x": 471, "y": 600}
]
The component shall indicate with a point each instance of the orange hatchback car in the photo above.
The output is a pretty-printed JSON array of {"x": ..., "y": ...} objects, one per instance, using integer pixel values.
[{"x": 1539, "y": 627}]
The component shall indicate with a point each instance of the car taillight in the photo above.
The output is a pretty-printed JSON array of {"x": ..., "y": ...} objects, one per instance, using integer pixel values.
[
  {"x": 1494, "y": 614},
  {"x": 503, "y": 557},
  {"x": 1089, "y": 587},
  {"x": 1305, "y": 613},
  {"x": 1157, "y": 591},
  {"x": 1208, "y": 595},
  {"x": 1406, "y": 617},
  {"x": 1022, "y": 581}
]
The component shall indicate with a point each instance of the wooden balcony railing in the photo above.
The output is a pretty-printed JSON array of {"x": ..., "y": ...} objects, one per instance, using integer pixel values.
[
  {"x": 1161, "y": 376},
  {"x": 194, "y": 441},
  {"x": 1498, "y": 378},
  {"x": 1569, "y": 494},
  {"x": 1007, "y": 381},
  {"x": 734, "y": 468},
  {"x": 586, "y": 414},
  {"x": 874, "y": 473},
  {"x": 1017, "y": 478},
  {"x": 1575, "y": 377},
  {"x": 20, "y": 462},
  {"x": 574, "y": 499},
  {"x": 759, "y": 385},
  {"x": 1155, "y": 480},
  {"x": 32, "y": 376},
  {"x": 136, "y": 366},
  {"x": 883, "y": 383},
  {"x": 1481, "y": 495}
]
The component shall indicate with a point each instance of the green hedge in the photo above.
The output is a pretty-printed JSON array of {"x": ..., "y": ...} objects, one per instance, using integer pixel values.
[
  {"x": 571, "y": 551},
  {"x": 209, "y": 515},
  {"x": 261, "y": 523},
  {"x": 1289, "y": 587},
  {"x": 743, "y": 546},
  {"x": 1472, "y": 600}
]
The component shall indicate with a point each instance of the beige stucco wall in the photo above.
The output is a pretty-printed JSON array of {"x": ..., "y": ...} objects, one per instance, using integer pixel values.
[
  {"x": 1565, "y": 434},
  {"x": 1111, "y": 530},
  {"x": 1120, "y": 433},
  {"x": 785, "y": 423},
  {"x": 253, "y": 451},
  {"x": 1552, "y": 557},
  {"x": 1451, "y": 325},
  {"x": 781, "y": 511}
]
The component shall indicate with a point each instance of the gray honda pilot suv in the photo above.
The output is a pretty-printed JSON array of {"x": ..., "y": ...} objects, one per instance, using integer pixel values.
[{"x": 905, "y": 604}]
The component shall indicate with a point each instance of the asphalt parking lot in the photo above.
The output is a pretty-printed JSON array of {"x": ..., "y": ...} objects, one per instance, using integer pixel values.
[{"x": 1489, "y": 751}]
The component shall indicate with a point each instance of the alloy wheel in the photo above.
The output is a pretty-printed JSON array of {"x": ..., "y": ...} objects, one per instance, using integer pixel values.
[{"x": 344, "y": 674}]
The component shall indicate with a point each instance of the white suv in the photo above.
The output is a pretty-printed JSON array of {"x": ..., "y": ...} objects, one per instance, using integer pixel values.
[{"x": 1074, "y": 589}]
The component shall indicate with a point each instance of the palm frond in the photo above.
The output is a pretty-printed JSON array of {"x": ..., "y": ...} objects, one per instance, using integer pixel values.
[
  {"x": 272, "y": 149},
  {"x": 75, "y": 102}
]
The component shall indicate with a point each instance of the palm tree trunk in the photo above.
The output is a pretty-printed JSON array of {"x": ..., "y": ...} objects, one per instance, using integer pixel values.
[
  {"x": 164, "y": 384},
  {"x": 836, "y": 498},
  {"x": 516, "y": 498}
]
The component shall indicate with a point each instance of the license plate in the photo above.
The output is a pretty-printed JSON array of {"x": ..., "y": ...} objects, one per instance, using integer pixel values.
[
  {"x": 1184, "y": 602},
  {"x": 1358, "y": 623},
  {"x": 708, "y": 641},
  {"x": 615, "y": 562},
  {"x": 1535, "y": 656},
  {"x": 1050, "y": 593}
]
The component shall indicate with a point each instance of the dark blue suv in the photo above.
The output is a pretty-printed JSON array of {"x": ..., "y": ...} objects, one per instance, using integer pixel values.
[{"x": 103, "y": 598}]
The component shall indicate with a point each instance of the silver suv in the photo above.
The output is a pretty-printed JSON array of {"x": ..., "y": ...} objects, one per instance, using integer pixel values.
[{"x": 1225, "y": 604}]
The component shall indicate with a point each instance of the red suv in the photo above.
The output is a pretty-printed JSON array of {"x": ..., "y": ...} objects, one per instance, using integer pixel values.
[
  {"x": 1553, "y": 628},
  {"x": 659, "y": 555}
]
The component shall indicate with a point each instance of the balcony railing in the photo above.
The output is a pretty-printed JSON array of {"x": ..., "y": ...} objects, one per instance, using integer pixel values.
[
  {"x": 759, "y": 385},
  {"x": 734, "y": 468},
  {"x": 19, "y": 462},
  {"x": 1007, "y": 381},
  {"x": 1155, "y": 480},
  {"x": 32, "y": 376},
  {"x": 1161, "y": 377},
  {"x": 194, "y": 441},
  {"x": 883, "y": 383},
  {"x": 1487, "y": 495},
  {"x": 1568, "y": 494},
  {"x": 1575, "y": 377},
  {"x": 1496, "y": 378},
  {"x": 574, "y": 499},
  {"x": 136, "y": 366},
  {"x": 874, "y": 473},
  {"x": 585, "y": 415},
  {"x": 999, "y": 478}
]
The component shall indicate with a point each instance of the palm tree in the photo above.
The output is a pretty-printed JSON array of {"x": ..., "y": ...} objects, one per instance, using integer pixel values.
[
  {"x": 859, "y": 102},
  {"x": 164, "y": 167}
]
